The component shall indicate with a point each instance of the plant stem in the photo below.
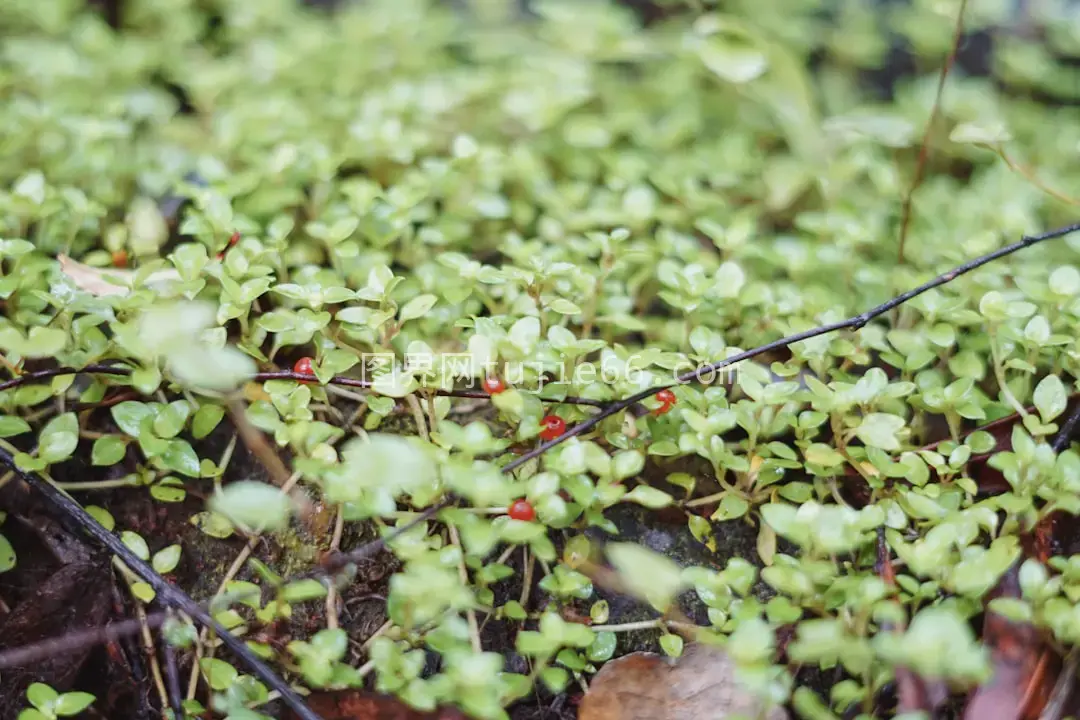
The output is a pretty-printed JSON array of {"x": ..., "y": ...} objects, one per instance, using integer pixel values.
[{"x": 629, "y": 627}]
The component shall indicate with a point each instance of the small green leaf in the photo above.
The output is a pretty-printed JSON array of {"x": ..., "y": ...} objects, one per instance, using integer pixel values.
[
  {"x": 880, "y": 429},
  {"x": 165, "y": 560},
  {"x": 59, "y": 438},
  {"x": 564, "y": 307},
  {"x": 136, "y": 544},
  {"x": 42, "y": 696},
  {"x": 102, "y": 516},
  {"x": 7, "y": 555},
  {"x": 648, "y": 496},
  {"x": 671, "y": 644},
  {"x": 418, "y": 306},
  {"x": 206, "y": 419},
  {"x": 627, "y": 463},
  {"x": 32, "y": 714},
  {"x": 331, "y": 643},
  {"x": 1050, "y": 398},
  {"x": 73, "y": 703},
  {"x": 180, "y": 457},
  {"x": 143, "y": 592},
  {"x": 302, "y": 590},
  {"x": 731, "y": 507},
  {"x": 219, "y": 674},
  {"x": 212, "y": 524},
  {"x": 603, "y": 647},
  {"x": 129, "y": 416},
  {"x": 108, "y": 450},
  {"x": 171, "y": 420},
  {"x": 10, "y": 425}
]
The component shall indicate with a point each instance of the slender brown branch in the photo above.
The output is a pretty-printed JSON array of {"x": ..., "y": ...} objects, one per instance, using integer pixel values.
[{"x": 924, "y": 146}]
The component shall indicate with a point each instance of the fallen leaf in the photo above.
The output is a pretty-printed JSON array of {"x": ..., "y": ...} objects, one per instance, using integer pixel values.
[
  {"x": 108, "y": 281},
  {"x": 702, "y": 683},
  {"x": 360, "y": 705},
  {"x": 1022, "y": 680}
]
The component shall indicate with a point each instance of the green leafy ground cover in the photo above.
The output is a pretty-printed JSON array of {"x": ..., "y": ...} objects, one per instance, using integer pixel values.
[{"x": 584, "y": 208}]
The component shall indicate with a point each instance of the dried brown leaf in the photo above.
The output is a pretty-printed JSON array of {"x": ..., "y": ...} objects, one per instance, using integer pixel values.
[
  {"x": 1022, "y": 681},
  {"x": 108, "y": 281},
  {"x": 702, "y": 683},
  {"x": 361, "y": 705}
]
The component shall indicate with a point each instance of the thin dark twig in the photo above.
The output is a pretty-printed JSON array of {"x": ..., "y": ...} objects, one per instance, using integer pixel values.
[
  {"x": 172, "y": 680},
  {"x": 341, "y": 380},
  {"x": 56, "y": 372},
  {"x": 20, "y": 656},
  {"x": 924, "y": 146},
  {"x": 1065, "y": 434},
  {"x": 853, "y": 323},
  {"x": 168, "y": 594}
]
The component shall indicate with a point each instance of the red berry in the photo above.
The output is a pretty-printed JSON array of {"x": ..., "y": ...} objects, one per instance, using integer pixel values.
[
  {"x": 234, "y": 238},
  {"x": 667, "y": 399},
  {"x": 521, "y": 510},
  {"x": 553, "y": 426},
  {"x": 120, "y": 258},
  {"x": 494, "y": 385},
  {"x": 303, "y": 367}
]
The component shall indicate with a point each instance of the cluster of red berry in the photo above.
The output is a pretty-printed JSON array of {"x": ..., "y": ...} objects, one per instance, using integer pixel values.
[{"x": 552, "y": 426}]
